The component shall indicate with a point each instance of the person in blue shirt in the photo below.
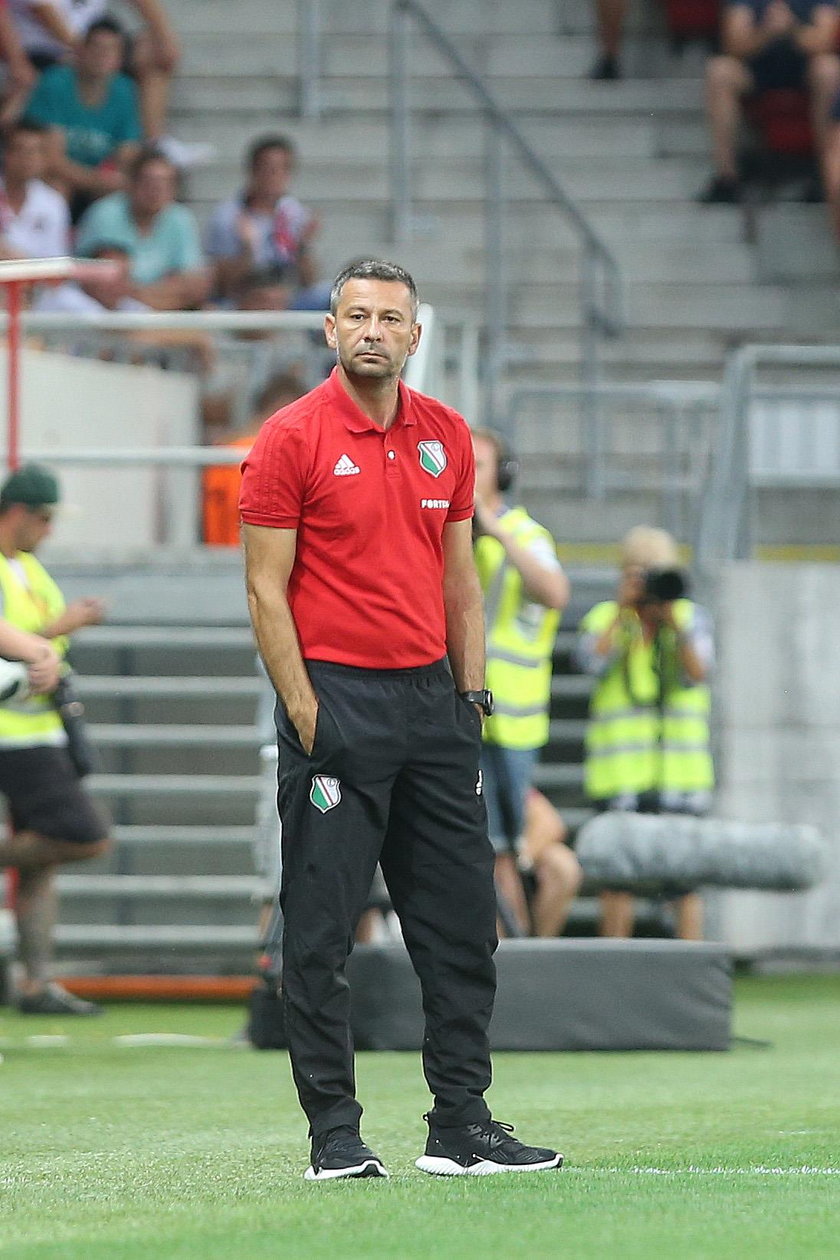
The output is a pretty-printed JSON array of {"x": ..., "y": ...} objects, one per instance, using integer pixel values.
[
  {"x": 768, "y": 44},
  {"x": 160, "y": 237},
  {"x": 92, "y": 112}
]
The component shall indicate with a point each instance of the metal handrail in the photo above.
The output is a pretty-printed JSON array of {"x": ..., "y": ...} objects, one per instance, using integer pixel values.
[
  {"x": 601, "y": 287},
  {"x": 724, "y": 531},
  {"x": 309, "y": 58}
]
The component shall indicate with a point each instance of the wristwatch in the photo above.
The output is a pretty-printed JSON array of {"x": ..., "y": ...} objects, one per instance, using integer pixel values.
[{"x": 484, "y": 700}]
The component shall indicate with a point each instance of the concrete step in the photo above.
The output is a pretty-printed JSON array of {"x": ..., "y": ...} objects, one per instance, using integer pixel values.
[
  {"x": 668, "y": 262},
  {"x": 366, "y": 95},
  {"x": 436, "y": 135},
  {"x": 723, "y": 307},
  {"x": 493, "y": 17},
  {"x": 125, "y": 735},
  {"x": 445, "y": 180},
  {"x": 175, "y": 638},
  {"x": 196, "y": 688},
  {"x": 160, "y": 786},
  {"x": 113, "y": 938},
  {"x": 128, "y": 834},
  {"x": 198, "y": 887}
]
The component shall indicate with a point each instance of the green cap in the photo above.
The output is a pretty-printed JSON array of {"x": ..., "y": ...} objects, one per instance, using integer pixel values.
[{"x": 33, "y": 485}]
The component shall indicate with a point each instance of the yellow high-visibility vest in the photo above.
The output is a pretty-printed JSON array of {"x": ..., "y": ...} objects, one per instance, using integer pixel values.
[
  {"x": 647, "y": 729},
  {"x": 520, "y": 640},
  {"x": 30, "y": 605}
]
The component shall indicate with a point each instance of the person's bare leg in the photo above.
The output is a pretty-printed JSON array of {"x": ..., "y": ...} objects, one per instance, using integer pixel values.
[
  {"x": 509, "y": 884},
  {"x": 831, "y": 176},
  {"x": 36, "y": 907},
  {"x": 559, "y": 877},
  {"x": 617, "y": 914},
  {"x": 153, "y": 85},
  {"x": 727, "y": 81},
  {"x": 28, "y": 851},
  {"x": 688, "y": 911},
  {"x": 823, "y": 86},
  {"x": 610, "y": 23}
]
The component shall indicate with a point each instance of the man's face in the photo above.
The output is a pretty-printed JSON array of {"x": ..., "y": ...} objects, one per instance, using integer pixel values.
[
  {"x": 101, "y": 54},
  {"x": 25, "y": 158},
  {"x": 373, "y": 330},
  {"x": 153, "y": 188},
  {"x": 32, "y": 525},
  {"x": 272, "y": 173},
  {"x": 486, "y": 469}
]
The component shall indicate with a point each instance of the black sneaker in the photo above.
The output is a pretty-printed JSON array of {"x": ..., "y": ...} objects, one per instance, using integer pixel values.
[
  {"x": 342, "y": 1153},
  {"x": 721, "y": 190},
  {"x": 477, "y": 1149},
  {"x": 53, "y": 1000}
]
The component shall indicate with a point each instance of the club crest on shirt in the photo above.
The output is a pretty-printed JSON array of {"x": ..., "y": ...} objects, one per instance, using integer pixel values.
[
  {"x": 325, "y": 792},
  {"x": 432, "y": 457}
]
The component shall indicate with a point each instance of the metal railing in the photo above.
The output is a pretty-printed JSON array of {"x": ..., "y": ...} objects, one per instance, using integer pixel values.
[
  {"x": 601, "y": 296},
  {"x": 309, "y": 58},
  {"x": 604, "y": 440},
  {"x": 725, "y": 525}
]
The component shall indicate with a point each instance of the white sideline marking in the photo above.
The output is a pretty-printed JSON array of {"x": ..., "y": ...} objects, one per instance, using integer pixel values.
[{"x": 763, "y": 1170}]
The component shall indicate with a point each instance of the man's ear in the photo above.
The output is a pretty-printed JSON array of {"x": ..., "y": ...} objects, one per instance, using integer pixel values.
[{"x": 329, "y": 331}]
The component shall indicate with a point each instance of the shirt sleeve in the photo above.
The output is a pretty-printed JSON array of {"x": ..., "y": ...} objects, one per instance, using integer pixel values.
[
  {"x": 221, "y": 240},
  {"x": 188, "y": 255},
  {"x": 274, "y": 476},
  {"x": 91, "y": 230},
  {"x": 462, "y": 504},
  {"x": 40, "y": 106},
  {"x": 127, "y": 129}
]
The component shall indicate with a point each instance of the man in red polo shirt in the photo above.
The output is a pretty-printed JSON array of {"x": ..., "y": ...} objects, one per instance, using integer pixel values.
[{"x": 357, "y": 502}]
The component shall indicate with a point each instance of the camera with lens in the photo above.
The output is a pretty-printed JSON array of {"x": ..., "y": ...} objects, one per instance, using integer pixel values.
[{"x": 662, "y": 586}]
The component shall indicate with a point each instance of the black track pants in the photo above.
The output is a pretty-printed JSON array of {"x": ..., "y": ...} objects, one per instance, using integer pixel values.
[{"x": 393, "y": 778}]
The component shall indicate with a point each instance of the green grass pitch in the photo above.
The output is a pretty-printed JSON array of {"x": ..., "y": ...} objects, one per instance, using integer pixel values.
[{"x": 196, "y": 1152}]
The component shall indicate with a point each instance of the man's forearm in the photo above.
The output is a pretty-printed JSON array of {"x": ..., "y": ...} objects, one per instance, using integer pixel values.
[
  {"x": 465, "y": 633},
  {"x": 547, "y": 586},
  {"x": 279, "y": 647}
]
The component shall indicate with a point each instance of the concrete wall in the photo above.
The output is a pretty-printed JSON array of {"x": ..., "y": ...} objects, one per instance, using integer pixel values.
[
  {"x": 72, "y": 404},
  {"x": 778, "y": 708}
]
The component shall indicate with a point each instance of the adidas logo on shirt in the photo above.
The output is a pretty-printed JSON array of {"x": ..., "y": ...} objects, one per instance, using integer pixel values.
[{"x": 345, "y": 467}]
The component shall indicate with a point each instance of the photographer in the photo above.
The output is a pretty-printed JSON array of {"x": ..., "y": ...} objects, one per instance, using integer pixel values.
[
  {"x": 647, "y": 743},
  {"x": 53, "y": 820}
]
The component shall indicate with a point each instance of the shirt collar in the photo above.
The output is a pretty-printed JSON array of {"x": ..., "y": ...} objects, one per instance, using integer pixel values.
[{"x": 355, "y": 419}]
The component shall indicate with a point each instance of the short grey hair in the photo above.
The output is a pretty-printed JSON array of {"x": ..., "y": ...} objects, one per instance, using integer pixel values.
[{"x": 373, "y": 269}]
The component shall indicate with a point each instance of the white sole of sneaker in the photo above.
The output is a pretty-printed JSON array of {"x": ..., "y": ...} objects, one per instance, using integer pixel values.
[
  {"x": 370, "y": 1168},
  {"x": 440, "y": 1167}
]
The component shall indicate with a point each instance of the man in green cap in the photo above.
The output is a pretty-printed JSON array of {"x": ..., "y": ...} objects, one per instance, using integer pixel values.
[{"x": 53, "y": 820}]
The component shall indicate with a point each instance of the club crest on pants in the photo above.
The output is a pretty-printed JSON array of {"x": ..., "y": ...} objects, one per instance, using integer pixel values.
[{"x": 325, "y": 792}]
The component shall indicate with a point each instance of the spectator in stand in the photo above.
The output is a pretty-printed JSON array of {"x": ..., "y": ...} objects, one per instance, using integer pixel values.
[
  {"x": 18, "y": 74},
  {"x": 265, "y": 226},
  {"x": 52, "y": 30},
  {"x": 767, "y": 44},
  {"x": 647, "y": 745},
  {"x": 91, "y": 111},
  {"x": 609, "y": 18},
  {"x": 222, "y": 481},
  {"x": 34, "y": 218},
  {"x": 160, "y": 236},
  {"x": 545, "y": 858}
]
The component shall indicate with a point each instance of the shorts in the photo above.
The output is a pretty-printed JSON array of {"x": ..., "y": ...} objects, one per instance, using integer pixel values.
[
  {"x": 45, "y": 796},
  {"x": 779, "y": 65},
  {"x": 508, "y": 773}
]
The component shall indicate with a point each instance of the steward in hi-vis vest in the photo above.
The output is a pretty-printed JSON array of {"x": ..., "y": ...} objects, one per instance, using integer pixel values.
[
  {"x": 649, "y": 727},
  {"x": 520, "y": 635},
  {"x": 650, "y": 651},
  {"x": 525, "y": 591},
  {"x": 53, "y": 820}
]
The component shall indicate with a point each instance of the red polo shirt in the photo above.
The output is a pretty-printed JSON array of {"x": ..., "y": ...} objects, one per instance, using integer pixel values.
[{"x": 369, "y": 506}]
